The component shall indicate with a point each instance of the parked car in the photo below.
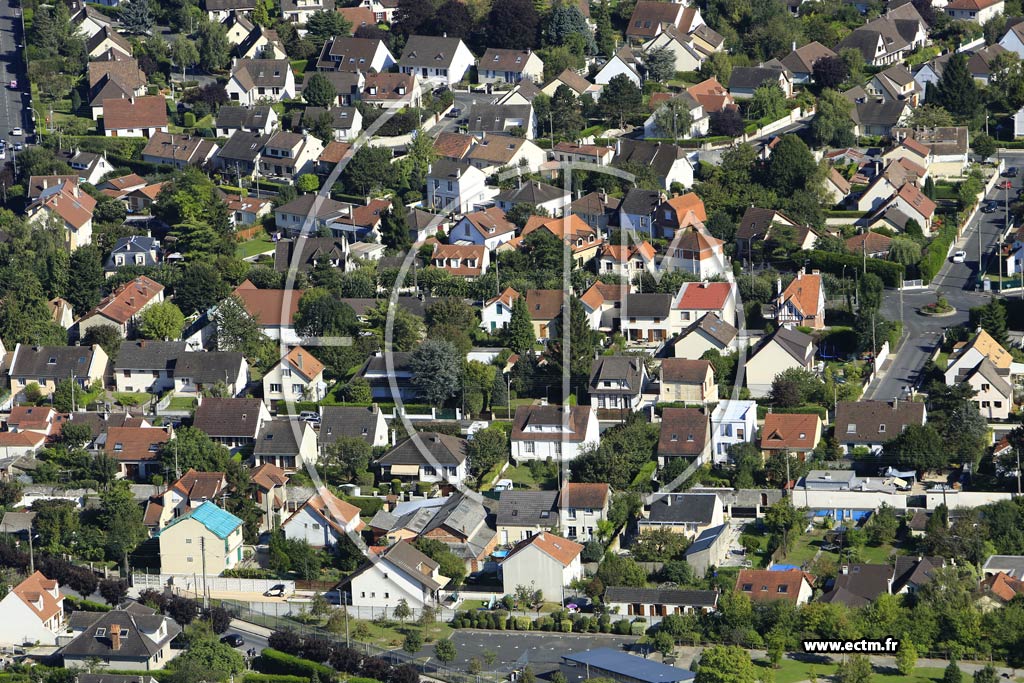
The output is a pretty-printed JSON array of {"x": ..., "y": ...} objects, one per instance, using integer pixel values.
[
  {"x": 275, "y": 591},
  {"x": 17, "y": 131},
  {"x": 233, "y": 639},
  {"x": 959, "y": 256},
  {"x": 1011, "y": 172},
  {"x": 1005, "y": 184},
  {"x": 14, "y": 84},
  {"x": 454, "y": 113},
  {"x": 310, "y": 417},
  {"x": 990, "y": 206}
]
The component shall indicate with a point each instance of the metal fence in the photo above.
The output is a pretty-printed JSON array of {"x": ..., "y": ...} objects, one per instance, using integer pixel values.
[{"x": 432, "y": 669}]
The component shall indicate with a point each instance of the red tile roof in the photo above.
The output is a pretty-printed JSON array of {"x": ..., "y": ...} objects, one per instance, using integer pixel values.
[
  {"x": 270, "y": 307},
  {"x": 795, "y": 431},
  {"x": 762, "y": 585},
  {"x": 128, "y": 300},
  {"x": 705, "y": 296},
  {"x": 135, "y": 112},
  {"x": 134, "y": 443},
  {"x": 562, "y": 550}
]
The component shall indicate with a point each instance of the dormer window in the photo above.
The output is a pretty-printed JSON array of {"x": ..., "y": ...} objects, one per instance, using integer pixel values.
[
  {"x": 881, "y": 429},
  {"x": 51, "y": 361},
  {"x": 118, "y": 446},
  {"x": 851, "y": 428}
]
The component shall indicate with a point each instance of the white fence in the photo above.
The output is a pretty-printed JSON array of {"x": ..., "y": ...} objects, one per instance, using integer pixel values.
[
  {"x": 195, "y": 583},
  {"x": 883, "y": 353}
]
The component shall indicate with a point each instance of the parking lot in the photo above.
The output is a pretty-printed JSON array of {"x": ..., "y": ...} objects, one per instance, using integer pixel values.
[{"x": 515, "y": 649}]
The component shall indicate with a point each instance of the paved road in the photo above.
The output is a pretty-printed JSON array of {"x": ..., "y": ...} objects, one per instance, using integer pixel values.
[
  {"x": 957, "y": 282},
  {"x": 542, "y": 651},
  {"x": 11, "y": 68}
]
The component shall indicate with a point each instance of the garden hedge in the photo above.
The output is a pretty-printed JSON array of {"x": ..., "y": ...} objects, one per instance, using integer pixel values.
[{"x": 273, "y": 661}]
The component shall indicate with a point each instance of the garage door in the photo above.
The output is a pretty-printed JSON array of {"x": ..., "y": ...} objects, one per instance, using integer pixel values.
[{"x": 744, "y": 513}]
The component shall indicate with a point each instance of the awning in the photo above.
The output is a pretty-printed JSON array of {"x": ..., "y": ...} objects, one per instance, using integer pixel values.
[{"x": 407, "y": 470}]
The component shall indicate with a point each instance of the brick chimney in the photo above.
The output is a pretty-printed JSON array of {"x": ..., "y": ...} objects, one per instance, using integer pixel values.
[{"x": 115, "y": 637}]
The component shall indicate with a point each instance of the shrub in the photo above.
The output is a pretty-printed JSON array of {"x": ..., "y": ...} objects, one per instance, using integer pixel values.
[
  {"x": 545, "y": 623},
  {"x": 523, "y": 623},
  {"x": 637, "y": 629},
  {"x": 621, "y": 627},
  {"x": 565, "y": 626},
  {"x": 273, "y": 678},
  {"x": 273, "y": 661}
]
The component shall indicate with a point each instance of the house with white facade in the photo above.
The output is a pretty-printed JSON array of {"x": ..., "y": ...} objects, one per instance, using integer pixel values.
[
  {"x": 784, "y": 349},
  {"x": 32, "y": 612},
  {"x": 546, "y": 432},
  {"x": 260, "y": 81},
  {"x": 487, "y": 228},
  {"x": 398, "y": 572},
  {"x": 298, "y": 376},
  {"x": 455, "y": 187},
  {"x": 436, "y": 59},
  {"x": 497, "y": 312},
  {"x": 426, "y": 456},
  {"x": 732, "y": 422},
  {"x": 543, "y": 562},
  {"x": 509, "y": 66},
  {"x": 322, "y": 520}
]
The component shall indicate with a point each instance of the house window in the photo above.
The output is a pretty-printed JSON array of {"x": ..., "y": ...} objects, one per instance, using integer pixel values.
[
  {"x": 528, "y": 447},
  {"x": 851, "y": 428},
  {"x": 881, "y": 429},
  {"x": 748, "y": 587},
  {"x": 275, "y": 388},
  {"x": 572, "y": 532},
  {"x": 188, "y": 540},
  {"x": 783, "y": 589},
  {"x": 316, "y": 527}
]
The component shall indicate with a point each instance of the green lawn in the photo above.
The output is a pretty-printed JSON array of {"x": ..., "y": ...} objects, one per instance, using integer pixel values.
[
  {"x": 181, "y": 403},
  {"x": 793, "y": 671},
  {"x": 807, "y": 545},
  {"x": 138, "y": 398},
  {"x": 259, "y": 245},
  {"x": 522, "y": 477}
]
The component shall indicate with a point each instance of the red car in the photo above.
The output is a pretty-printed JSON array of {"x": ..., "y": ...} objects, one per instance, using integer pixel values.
[{"x": 1005, "y": 185}]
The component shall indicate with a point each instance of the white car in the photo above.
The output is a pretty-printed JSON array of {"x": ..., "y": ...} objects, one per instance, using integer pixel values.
[
  {"x": 16, "y": 131},
  {"x": 959, "y": 256},
  {"x": 3, "y": 153}
]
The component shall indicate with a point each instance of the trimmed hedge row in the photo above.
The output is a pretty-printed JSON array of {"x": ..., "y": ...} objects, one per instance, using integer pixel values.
[
  {"x": 831, "y": 262},
  {"x": 273, "y": 661},
  {"x": 273, "y": 678},
  {"x": 561, "y": 621},
  {"x": 936, "y": 251},
  {"x": 78, "y": 605}
]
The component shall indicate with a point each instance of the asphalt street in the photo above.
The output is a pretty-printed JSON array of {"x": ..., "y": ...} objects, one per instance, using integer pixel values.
[
  {"x": 11, "y": 105},
  {"x": 542, "y": 651},
  {"x": 957, "y": 282}
]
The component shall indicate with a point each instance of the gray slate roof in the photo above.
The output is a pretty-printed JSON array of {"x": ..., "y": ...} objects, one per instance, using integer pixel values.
[
  {"x": 528, "y": 508},
  {"x": 228, "y": 417},
  {"x": 692, "y": 508},
  {"x": 51, "y": 361},
  {"x": 661, "y": 596},
  {"x": 639, "y": 202},
  {"x": 135, "y": 645},
  {"x": 444, "y": 449},
  {"x": 279, "y": 436},
  {"x": 349, "y": 421},
  {"x": 148, "y": 355}
]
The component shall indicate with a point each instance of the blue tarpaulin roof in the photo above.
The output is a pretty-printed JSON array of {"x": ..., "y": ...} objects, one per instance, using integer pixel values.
[{"x": 623, "y": 664}]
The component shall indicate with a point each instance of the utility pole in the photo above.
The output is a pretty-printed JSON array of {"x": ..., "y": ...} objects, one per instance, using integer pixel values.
[
  {"x": 864, "y": 250},
  {"x": 202, "y": 548},
  {"x": 344, "y": 597}
]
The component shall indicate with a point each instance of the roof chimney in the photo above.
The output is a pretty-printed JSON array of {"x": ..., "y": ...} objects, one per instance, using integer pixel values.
[
  {"x": 299, "y": 358},
  {"x": 115, "y": 637}
]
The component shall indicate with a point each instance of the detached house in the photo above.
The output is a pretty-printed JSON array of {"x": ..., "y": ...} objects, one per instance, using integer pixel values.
[
  {"x": 323, "y": 520},
  {"x": 285, "y": 443},
  {"x": 887, "y": 39},
  {"x": 258, "y": 81},
  {"x": 355, "y": 422},
  {"x": 552, "y": 432},
  {"x": 206, "y": 537},
  {"x": 298, "y": 376},
  {"x": 684, "y": 433},
  {"x": 436, "y": 59},
  {"x": 978, "y": 11},
  {"x": 299, "y": 11},
  {"x": 687, "y": 381},
  {"x": 669, "y": 162},
  {"x": 135, "y": 117},
  {"x": 467, "y": 261},
  {"x": 688, "y": 514},
  {"x": 289, "y": 155},
  {"x": 136, "y": 450},
  {"x": 645, "y": 319},
  {"x": 545, "y": 562},
  {"x": 443, "y": 462},
  {"x": 455, "y": 187},
  {"x": 540, "y": 195},
  {"x": 871, "y": 424},
  {"x": 344, "y": 53},
  {"x": 801, "y": 61},
  {"x": 510, "y": 66},
  {"x": 135, "y": 638},
  {"x": 651, "y": 17},
  {"x": 580, "y": 507},
  {"x": 33, "y": 612},
  {"x": 697, "y": 299},
  {"x": 584, "y": 242},
  {"x": 797, "y": 434},
  {"x": 68, "y": 206},
  {"x": 708, "y": 332},
  {"x": 617, "y": 384},
  {"x": 122, "y": 307},
  {"x": 784, "y": 349},
  {"x": 496, "y": 312},
  {"x": 744, "y": 80},
  {"x": 802, "y": 304},
  {"x": 233, "y": 422},
  {"x": 766, "y": 585},
  {"x": 487, "y": 228},
  {"x": 399, "y": 572}
]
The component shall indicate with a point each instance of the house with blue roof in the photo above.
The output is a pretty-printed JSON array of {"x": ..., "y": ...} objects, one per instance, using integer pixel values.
[{"x": 206, "y": 540}]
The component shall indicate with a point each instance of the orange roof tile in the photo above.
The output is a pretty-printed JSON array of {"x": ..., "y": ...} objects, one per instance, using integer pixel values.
[
  {"x": 562, "y": 550},
  {"x": 688, "y": 202},
  {"x": 270, "y": 307},
  {"x": 134, "y": 443},
  {"x": 135, "y": 112},
  {"x": 705, "y": 296},
  {"x": 790, "y": 431},
  {"x": 128, "y": 300},
  {"x": 803, "y": 291},
  {"x": 304, "y": 362},
  {"x": 35, "y": 591},
  {"x": 764, "y": 584}
]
